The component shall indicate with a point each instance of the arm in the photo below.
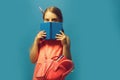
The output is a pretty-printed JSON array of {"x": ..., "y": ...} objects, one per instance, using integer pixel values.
[
  {"x": 66, "y": 49},
  {"x": 35, "y": 47},
  {"x": 66, "y": 44},
  {"x": 34, "y": 51}
]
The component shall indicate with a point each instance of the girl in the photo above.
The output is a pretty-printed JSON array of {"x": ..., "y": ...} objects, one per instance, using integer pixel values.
[{"x": 42, "y": 49}]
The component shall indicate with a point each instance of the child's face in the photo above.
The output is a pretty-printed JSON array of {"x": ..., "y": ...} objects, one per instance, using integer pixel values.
[{"x": 51, "y": 17}]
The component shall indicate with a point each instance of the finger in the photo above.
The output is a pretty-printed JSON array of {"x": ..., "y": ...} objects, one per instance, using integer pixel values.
[
  {"x": 59, "y": 38},
  {"x": 62, "y": 32},
  {"x": 59, "y": 35},
  {"x": 44, "y": 35},
  {"x": 41, "y": 35},
  {"x": 42, "y": 38},
  {"x": 41, "y": 31}
]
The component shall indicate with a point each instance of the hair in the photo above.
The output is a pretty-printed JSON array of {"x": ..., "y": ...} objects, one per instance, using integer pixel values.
[{"x": 56, "y": 11}]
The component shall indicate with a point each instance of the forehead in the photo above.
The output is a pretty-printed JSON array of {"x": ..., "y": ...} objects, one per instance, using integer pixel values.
[{"x": 49, "y": 14}]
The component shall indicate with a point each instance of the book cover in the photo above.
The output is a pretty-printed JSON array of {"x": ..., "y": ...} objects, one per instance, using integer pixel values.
[{"x": 51, "y": 29}]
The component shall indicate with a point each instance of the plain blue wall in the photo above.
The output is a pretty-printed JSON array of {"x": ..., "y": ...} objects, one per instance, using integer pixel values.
[{"x": 93, "y": 26}]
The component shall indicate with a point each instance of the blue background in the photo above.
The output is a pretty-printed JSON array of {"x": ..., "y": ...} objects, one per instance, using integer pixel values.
[{"x": 92, "y": 25}]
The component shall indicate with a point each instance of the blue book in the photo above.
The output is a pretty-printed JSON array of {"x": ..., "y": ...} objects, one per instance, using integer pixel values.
[{"x": 51, "y": 29}]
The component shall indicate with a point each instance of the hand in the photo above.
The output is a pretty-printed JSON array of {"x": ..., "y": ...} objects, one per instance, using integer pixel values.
[
  {"x": 62, "y": 37},
  {"x": 40, "y": 36}
]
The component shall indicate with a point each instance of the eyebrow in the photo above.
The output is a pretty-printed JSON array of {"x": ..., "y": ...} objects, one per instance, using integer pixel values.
[{"x": 54, "y": 18}]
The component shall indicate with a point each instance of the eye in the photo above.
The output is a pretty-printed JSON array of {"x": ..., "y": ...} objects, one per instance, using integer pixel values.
[
  {"x": 54, "y": 19},
  {"x": 46, "y": 20}
]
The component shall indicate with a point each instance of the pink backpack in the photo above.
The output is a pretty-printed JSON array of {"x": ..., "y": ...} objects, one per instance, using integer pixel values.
[{"x": 55, "y": 69}]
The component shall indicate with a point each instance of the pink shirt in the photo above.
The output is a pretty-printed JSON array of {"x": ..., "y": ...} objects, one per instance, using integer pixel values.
[{"x": 49, "y": 49}]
